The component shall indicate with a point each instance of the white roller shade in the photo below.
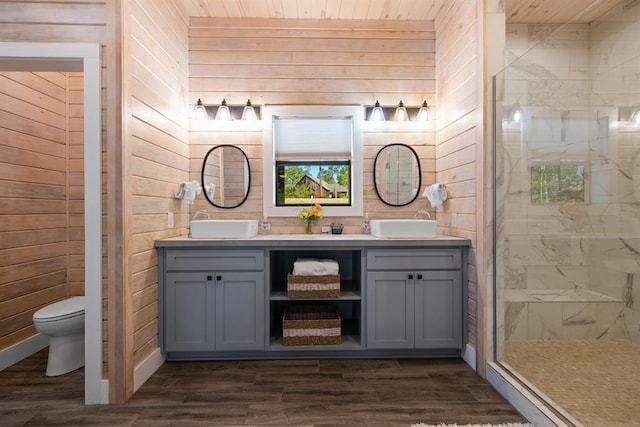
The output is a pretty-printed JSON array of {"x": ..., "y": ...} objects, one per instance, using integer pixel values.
[{"x": 312, "y": 138}]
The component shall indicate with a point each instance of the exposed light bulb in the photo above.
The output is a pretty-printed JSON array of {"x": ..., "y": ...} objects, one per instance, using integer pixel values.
[
  {"x": 401, "y": 113},
  {"x": 199, "y": 111},
  {"x": 249, "y": 113},
  {"x": 377, "y": 114},
  {"x": 424, "y": 114},
  {"x": 223, "y": 112}
]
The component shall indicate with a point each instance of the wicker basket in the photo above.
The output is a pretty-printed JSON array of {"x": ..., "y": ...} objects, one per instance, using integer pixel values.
[
  {"x": 313, "y": 286},
  {"x": 311, "y": 325}
]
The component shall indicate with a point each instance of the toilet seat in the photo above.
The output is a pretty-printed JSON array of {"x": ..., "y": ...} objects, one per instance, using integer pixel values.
[{"x": 61, "y": 310}]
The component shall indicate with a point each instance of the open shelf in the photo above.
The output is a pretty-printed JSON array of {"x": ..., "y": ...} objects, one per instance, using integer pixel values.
[
  {"x": 348, "y": 292},
  {"x": 344, "y": 296},
  {"x": 348, "y": 342},
  {"x": 350, "y": 337},
  {"x": 348, "y": 304}
]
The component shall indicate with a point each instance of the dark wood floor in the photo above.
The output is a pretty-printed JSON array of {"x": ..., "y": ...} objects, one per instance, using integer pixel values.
[{"x": 386, "y": 392}]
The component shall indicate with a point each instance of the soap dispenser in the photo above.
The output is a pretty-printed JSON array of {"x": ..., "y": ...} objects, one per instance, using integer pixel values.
[
  {"x": 266, "y": 225},
  {"x": 366, "y": 225}
]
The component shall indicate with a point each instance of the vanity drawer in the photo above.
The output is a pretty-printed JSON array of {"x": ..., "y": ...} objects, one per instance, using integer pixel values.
[
  {"x": 214, "y": 260},
  {"x": 414, "y": 259}
]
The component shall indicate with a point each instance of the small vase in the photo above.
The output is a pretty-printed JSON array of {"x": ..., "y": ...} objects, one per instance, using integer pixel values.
[{"x": 307, "y": 228}]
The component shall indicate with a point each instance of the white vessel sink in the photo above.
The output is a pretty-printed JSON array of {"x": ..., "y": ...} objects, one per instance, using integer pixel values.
[
  {"x": 403, "y": 228},
  {"x": 224, "y": 228}
]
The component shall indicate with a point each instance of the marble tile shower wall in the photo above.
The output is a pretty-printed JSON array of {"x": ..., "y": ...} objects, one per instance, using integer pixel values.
[{"x": 572, "y": 271}]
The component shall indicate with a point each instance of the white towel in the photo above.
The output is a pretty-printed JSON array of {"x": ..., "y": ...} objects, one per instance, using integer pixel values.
[
  {"x": 315, "y": 267},
  {"x": 436, "y": 193},
  {"x": 191, "y": 190},
  {"x": 210, "y": 189}
]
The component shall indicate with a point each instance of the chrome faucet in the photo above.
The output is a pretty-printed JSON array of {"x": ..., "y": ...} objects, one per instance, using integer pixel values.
[
  {"x": 422, "y": 211},
  {"x": 198, "y": 213}
]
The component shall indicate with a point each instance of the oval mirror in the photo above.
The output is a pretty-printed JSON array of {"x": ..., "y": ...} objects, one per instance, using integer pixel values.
[
  {"x": 396, "y": 174},
  {"x": 226, "y": 176}
]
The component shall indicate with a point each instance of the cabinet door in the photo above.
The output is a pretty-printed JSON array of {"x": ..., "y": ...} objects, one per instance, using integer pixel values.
[
  {"x": 438, "y": 309},
  {"x": 390, "y": 309},
  {"x": 189, "y": 312},
  {"x": 240, "y": 311}
]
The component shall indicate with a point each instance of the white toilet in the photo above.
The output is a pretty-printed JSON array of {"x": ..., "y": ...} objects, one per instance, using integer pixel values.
[{"x": 63, "y": 322}]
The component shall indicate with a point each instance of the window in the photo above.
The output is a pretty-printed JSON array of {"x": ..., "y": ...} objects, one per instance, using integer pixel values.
[
  {"x": 308, "y": 182},
  {"x": 312, "y": 155},
  {"x": 553, "y": 183}
]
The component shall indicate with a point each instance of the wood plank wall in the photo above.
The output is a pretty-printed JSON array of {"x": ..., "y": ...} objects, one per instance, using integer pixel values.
[
  {"x": 73, "y": 21},
  {"x": 458, "y": 133},
  {"x": 34, "y": 199},
  {"x": 311, "y": 62},
  {"x": 157, "y": 139}
]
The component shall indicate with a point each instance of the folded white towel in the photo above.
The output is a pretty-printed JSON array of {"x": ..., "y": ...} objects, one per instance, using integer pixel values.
[
  {"x": 187, "y": 191},
  {"x": 191, "y": 190},
  {"x": 315, "y": 267},
  {"x": 436, "y": 193}
]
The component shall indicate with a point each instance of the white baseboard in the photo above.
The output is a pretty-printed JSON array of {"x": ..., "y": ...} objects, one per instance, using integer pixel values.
[
  {"x": 520, "y": 398},
  {"x": 469, "y": 356},
  {"x": 17, "y": 352},
  {"x": 144, "y": 370},
  {"x": 103, "y": 394}
]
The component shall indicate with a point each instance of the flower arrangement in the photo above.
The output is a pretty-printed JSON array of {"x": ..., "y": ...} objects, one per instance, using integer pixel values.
[
  {"x": 314, "y": 212},
  {"x": 310, "y": 214}
]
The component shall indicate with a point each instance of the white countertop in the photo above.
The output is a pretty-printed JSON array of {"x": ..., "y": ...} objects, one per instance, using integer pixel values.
[{"x": 323, "y": 239}]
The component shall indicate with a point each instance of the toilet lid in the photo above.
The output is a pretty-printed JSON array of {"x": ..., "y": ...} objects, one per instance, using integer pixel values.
[{"x": 69, "y": 307}]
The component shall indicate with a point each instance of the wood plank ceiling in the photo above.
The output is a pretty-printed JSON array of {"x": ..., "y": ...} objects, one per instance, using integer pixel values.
[
  {"x": 558, "y": 11},
  {"x": 414, "y": 10},
  {"x": 517, "y": 11}
]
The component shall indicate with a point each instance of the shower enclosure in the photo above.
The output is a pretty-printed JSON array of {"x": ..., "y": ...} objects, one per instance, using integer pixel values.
[{"x": 567, "y": 215}]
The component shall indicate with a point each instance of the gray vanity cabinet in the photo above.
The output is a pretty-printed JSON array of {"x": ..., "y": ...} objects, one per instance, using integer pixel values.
[
  {"x": 226, "y": 299},
  {"x": 414, "y": 299},
  {"x": 213, "y": 300}
]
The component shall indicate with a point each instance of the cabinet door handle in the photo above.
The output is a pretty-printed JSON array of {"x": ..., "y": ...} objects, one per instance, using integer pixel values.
[
  {"x": 209, "y": 277},
  {"x": 411, "y": 277},
  {"x": 218, "y": 277},
  {"x": 419, "y": 276}
]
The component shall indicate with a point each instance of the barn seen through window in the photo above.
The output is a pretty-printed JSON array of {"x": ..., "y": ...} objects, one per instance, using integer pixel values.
[{"x": 300, "y": 183}]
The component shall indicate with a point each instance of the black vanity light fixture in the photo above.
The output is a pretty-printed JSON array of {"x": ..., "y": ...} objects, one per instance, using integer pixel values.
[
  {"x": 226, "y": 112},
  {"x": 399, "y": 113}
]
